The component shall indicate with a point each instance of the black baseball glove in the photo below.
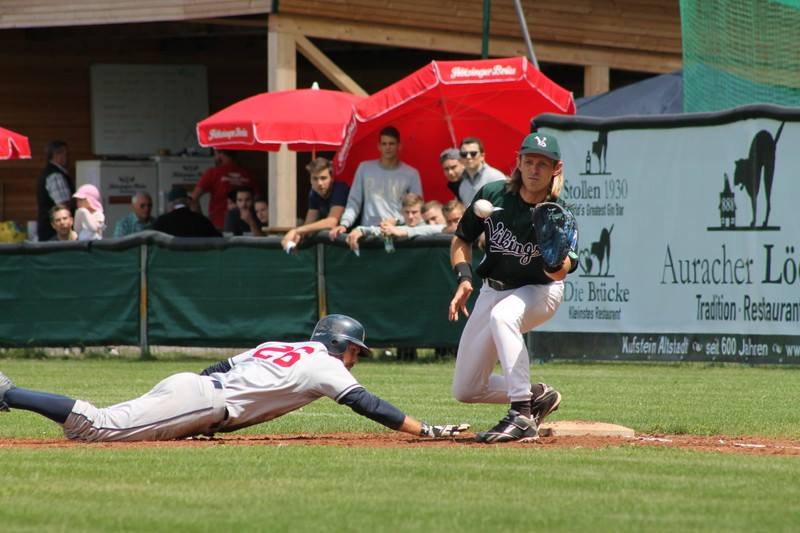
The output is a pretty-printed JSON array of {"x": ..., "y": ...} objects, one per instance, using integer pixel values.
[{"x": 556, "y": 233}]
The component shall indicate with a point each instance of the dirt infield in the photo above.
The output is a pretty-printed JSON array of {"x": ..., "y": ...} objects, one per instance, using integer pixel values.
[{"x": 722, "y": 444}]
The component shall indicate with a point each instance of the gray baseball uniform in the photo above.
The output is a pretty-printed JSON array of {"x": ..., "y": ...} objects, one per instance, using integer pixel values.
[
  {"x": 263, "y": 383},
  {"x": 266, "y": 382}
]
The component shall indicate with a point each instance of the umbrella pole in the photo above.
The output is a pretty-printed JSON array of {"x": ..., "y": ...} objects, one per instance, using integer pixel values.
[
  {"x": 527, "y": 36},
  {"x": 487, "y": 10},
  {"x": 449, "y": 120}
]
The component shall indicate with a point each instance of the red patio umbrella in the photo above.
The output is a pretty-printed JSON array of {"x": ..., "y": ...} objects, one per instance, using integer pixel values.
[
  {"x": 13, "y": 145},
  {"x": 304, "y": 119},
  {"x": 445, "y": 101}
]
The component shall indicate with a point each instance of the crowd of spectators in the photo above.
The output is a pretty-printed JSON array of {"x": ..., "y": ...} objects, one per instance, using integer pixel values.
[
  {"x": 386, "y": 198},
  {"x": 57, "y": 199},
  {"x": 385, "y": 201},
  {"x": 219, "y": 182}
]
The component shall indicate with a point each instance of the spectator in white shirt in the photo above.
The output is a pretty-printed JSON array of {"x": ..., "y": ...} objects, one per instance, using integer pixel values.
[{"x": 379, "y": 186}]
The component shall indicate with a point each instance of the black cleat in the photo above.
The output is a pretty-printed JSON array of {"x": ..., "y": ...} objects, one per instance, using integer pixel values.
[
  {"x": 513, "y": 428},
  {"x": 545, "y": 403}
]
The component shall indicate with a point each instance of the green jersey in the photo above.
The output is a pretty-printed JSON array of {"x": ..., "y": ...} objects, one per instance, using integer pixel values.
[{"x": 512, "y": 255}]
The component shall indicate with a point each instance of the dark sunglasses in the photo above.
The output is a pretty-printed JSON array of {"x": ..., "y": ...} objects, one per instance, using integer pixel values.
[
  {"x": 469, "y": 154},
  {"x": 145, "y": 205}
]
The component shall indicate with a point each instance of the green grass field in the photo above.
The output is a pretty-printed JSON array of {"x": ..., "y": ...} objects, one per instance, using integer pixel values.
[{"x": 458, "y": 488}]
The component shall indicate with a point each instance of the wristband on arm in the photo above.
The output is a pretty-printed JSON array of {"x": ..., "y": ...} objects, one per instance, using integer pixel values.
[
  {"x": 463, "y": 272},
  {"x": 553, "y": 269}
]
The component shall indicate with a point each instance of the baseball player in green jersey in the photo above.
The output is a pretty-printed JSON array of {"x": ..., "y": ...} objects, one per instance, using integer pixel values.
[
  {"x": 519, "y": 292},
  {"x": 255, "y": 386}
]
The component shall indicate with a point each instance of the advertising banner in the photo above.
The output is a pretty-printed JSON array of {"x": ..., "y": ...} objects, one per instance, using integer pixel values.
[{"x": 689, "y": 237}]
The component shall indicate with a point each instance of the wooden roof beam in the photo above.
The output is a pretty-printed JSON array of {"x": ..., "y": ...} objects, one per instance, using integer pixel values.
[
  {"x": 406, "y": 37},
  {"x": 330, "y": 69}
]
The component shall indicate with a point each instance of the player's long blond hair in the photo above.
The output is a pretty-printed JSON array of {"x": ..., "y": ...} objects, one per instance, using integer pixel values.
[{"x": 556, "y": 183}]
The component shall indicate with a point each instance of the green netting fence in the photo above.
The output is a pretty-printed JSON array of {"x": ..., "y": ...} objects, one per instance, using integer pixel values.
[
  {"x": 739, "y": 52},
  {"x": 154, "y": 289}
]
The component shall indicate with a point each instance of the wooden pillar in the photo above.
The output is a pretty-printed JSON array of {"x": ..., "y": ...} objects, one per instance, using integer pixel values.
[
  {"x": 282, "y": 75},
  {"x": 595, "y": 79}
]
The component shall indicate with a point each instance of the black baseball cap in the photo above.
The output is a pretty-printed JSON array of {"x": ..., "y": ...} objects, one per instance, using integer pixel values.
[
  {"x": 545, "y": 144},
  {"x": 177, "y": 193}
]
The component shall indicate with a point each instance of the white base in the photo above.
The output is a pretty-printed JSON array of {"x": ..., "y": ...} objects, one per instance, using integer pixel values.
[{"x": 576, "y": 428}]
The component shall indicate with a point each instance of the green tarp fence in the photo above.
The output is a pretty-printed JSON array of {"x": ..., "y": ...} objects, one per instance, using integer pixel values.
[
  {"x": 68, "y": 295},
  {"x": 221, "y": 292},
  {"x": 401, "y": 298},
  {"x": 230, "y": 296}
]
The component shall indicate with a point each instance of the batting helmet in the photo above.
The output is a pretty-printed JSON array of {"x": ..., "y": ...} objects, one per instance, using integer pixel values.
[{"x": 335, "y": 331}]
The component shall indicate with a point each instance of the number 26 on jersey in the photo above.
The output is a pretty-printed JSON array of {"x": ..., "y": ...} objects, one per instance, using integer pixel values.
[{"x": 281, "y": 354}]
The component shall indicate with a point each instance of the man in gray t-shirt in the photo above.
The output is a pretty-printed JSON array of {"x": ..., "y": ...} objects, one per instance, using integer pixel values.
[
  {"x": 477, "y": 172},
  {"x": 379, "y": 186}
]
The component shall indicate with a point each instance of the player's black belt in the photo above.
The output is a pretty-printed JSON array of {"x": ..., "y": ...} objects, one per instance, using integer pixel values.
[
  {"x": 218, "y": 385},
  {"x": 500, "y": 285}
]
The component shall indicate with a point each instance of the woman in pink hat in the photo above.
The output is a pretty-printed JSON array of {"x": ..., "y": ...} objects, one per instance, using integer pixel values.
[{"x": 89, "y": 218}]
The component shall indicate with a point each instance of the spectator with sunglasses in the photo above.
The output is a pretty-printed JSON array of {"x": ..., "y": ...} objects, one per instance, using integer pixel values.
[
  {"x": 139, "y": 219},
  {"x": 477, "y": 171}
]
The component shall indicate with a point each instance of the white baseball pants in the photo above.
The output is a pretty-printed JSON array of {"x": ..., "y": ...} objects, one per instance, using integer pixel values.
[
  {"x": 494, "y": 332},
  {"x": 180, "y": 406}
]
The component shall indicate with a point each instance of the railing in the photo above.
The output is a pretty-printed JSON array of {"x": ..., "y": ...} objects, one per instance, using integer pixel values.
[{"x": 151, "y": 288}]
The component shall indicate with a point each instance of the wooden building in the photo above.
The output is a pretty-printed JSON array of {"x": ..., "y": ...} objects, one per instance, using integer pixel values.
[{"x": 250, "y": 46}]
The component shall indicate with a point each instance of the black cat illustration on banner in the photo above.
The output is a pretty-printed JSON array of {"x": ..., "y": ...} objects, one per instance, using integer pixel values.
[
  {"x": 597, "y": 152},
  {"x": 597, "y": 255},
  {"x": 749, "y": 174}
]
